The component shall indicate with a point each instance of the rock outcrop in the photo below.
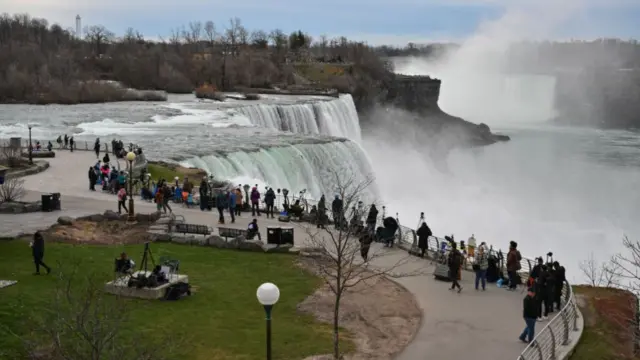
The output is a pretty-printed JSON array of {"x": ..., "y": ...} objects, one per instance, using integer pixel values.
[{"x": 419, "y": 96}]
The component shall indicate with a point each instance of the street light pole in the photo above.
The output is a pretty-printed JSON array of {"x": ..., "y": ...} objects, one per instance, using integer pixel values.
[
  {"x": 130, "y": 157},
  {"x": 30, "y": 148},
  {"x": 268, "y": 294}
]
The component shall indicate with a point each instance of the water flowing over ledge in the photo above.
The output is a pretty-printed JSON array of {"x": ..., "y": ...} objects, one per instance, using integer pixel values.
[
  {"x": 295, "y": 167},
  {"x": 334, "y": 117}
]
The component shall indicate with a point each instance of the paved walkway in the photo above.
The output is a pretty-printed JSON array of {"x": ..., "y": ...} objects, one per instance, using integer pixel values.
[{"x": 478, "y": 325}]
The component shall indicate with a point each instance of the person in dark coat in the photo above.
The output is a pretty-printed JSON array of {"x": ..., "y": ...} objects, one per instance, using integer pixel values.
[
  {"x": 372, "y": 219},
  {"x": 529, "y": 312},
  {"x": 454, "y": 261},
  {"x": 96, "y": 148},
  {"x": 269, "y": 200},
  {"x": 37, "y": 250},
  {"x": 561, "y": 277},
  {"x": 321, "y": 213},
  {"x": 106, "y": 159},
  {"x": 365, "y": 239},
  {"x": 204, "y": 194},
  {"x": 424, "y": 232},
  {"x": 93, "y": 178},
  {"x": 336, "y": 209}
]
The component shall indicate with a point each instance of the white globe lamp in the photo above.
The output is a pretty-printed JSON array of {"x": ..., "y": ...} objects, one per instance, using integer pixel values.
[{"x": 268, "y": 295}]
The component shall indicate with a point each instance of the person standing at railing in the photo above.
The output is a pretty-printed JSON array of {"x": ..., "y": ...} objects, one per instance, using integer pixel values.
[
  {"x": 255, "y": 201},
  {"x": 529, "y": 313},
  {"x": 513, "y": 265},
  {"x": 424, "y": 232},
  {"x": 561, "y": 277},
  {"x": 321, "y": 217},
  {"x": 480, "y": 266},
  {"x": 238, "y": 207},
  {"x": 372, "y": 219},
  {"x": 336, "y": 209},
  {"x": 269, "y": 200},
  {"x": 471, "y": 246}
]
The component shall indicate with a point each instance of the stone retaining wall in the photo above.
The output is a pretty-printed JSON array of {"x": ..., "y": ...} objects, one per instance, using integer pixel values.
[
  {"x": 20, "y": 207},
  {"x": 38, "y": 167}
]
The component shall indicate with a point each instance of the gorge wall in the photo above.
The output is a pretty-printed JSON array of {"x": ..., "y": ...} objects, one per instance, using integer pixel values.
[{"x": 419, "y": 96}]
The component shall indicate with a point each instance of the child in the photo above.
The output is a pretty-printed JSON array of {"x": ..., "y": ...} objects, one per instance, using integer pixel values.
[{"x": 159, "y": 200}]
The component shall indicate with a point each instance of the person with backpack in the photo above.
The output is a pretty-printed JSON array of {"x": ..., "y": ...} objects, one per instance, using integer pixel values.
[{"x": 513, "y": 265}]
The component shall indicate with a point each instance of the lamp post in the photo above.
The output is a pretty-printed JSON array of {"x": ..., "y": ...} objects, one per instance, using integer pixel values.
[
  {"x": 30, "y": 148},
  {"x": 268, "y": 295},
  {"x": 131, "y": 156}
]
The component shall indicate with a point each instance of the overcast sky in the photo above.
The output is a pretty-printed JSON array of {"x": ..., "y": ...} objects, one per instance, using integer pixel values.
[{"x": 394, "y": 22}]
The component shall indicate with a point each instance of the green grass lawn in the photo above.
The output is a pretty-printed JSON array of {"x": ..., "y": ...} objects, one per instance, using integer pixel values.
[
  {"x": 603, "y": 312},
  {"x": 222, "y": 320},
  {"x": 161, "y": 172}
]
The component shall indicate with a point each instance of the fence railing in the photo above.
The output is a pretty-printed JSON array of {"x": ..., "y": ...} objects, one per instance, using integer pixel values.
[
  {"x": 77, "y": 146},
  {"x": 548, "y": 342}
]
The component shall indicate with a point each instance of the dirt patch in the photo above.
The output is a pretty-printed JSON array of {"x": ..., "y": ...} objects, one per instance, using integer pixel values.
[
  {"x": 382, "y": 316},
  {"x": 610, "y": 316},
  {"x": 103, "y": 233}
]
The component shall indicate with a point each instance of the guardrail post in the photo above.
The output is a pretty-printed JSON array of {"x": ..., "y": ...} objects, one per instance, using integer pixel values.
[
  {"x": 565, "y": 332},
  {"x": 539, "y": 348},
  {"x": 575, "y": 318},
  {"x": 553, "y": 344}
]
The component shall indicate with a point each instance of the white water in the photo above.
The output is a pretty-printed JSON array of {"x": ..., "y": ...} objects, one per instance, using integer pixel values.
[
  {"x": 294, "y": 167},
  {"x": 334, "y": 118},
  {"x": 490, "y": 97}
]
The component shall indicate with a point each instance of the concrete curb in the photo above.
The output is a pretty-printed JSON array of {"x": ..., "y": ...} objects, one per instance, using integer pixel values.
[{"x": 38, "y": 167}]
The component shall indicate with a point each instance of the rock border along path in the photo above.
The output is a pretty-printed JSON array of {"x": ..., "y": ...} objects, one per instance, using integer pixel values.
[{"x": 483, "y": 325}]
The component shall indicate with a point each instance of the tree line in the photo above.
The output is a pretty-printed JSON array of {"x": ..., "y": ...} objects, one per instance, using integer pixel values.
[{"x": 43, "y": 63}]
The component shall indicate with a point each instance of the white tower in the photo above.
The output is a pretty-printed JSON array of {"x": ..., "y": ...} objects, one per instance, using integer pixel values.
[{"x": 78, "y": 27}]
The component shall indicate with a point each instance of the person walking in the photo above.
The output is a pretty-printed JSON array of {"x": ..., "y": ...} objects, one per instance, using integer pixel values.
[
  {"x": 529, "y": 313},
  {"x": 37, "y": 250},
  {"x": 454, "y": 261},
  {"x": 231, "y": 195},
  {"x": 122, "y": 198}
]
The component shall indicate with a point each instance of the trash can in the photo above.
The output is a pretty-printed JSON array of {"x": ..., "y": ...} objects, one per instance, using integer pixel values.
[
  {"x": 55, "y": 201},
  {"x": 286, "y": 235},
  {"x": 47, "y": 200},
  {"x": 274, "y": 235}
]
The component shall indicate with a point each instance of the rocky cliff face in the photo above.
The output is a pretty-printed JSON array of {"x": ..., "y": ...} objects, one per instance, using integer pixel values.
[{"x": 419, "y": 96}]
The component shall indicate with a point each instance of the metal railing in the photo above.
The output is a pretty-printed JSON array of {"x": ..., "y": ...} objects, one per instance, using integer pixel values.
[
  {"x": 548, "y": 342},
  {"x": 77, "y": 146}
]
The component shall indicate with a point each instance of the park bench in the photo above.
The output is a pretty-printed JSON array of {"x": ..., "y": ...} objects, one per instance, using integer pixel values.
[
  {"x": 193, "y": 229},
  {"x": 227, "y": 233}
]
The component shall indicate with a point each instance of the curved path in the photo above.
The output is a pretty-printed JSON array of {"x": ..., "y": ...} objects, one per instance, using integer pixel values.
[{"x": 479, "y": 325}]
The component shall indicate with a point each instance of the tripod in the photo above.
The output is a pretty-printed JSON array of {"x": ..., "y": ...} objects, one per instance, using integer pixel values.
[{"x": 144, "y": 264}]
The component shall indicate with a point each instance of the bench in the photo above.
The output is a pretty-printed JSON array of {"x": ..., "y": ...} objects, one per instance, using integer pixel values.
[
  {"x": 193, "y": 229},
  {"x": 226, "y": 233}
]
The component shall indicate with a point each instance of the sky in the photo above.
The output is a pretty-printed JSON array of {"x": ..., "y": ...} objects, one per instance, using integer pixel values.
[{"x": 391, "y": 22}]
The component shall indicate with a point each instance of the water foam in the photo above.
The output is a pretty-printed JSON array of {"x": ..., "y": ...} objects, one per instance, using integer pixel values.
[{"x": 295, "y": 167}]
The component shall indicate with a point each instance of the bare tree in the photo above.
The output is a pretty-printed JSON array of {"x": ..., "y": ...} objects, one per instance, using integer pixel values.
[
  {"x": 347, "y": 256},
  {"x": 193, "y": 34},
  {"x": 12, "y": 190},
  {"x": 99, "y": 36},
  {"x": 81, "y": 321},
  {"x": 626, "y": 266},
  {"x": 210, "y": 32},
  {"x": 260, "y": 39},
  {"x": 598, "y": 274}
]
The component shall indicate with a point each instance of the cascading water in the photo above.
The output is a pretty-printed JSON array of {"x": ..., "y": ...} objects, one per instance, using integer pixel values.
[
  {"x": 295, "y": 167},
  {"x": 334, "y": 118}
]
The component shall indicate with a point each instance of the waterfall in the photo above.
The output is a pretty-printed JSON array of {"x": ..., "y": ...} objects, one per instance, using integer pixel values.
[
  {"x": 294, "y": 167},
  {"x": 337, "y": 117}
]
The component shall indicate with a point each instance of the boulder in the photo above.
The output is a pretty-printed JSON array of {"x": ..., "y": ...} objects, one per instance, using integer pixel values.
[
  {"x": 40, "y": 154},
  {"x": 148, "y": 218},
  {"x": 251, "y": 245},
  {"x": 33, "y": 207},
  {"x": 111, "y": 215},
  {"x": 65, "y": 220},
  {"x": 160, "y": 236},
  {"x": 285, "y": 248},
  {"x": 217, "y": 242}
]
